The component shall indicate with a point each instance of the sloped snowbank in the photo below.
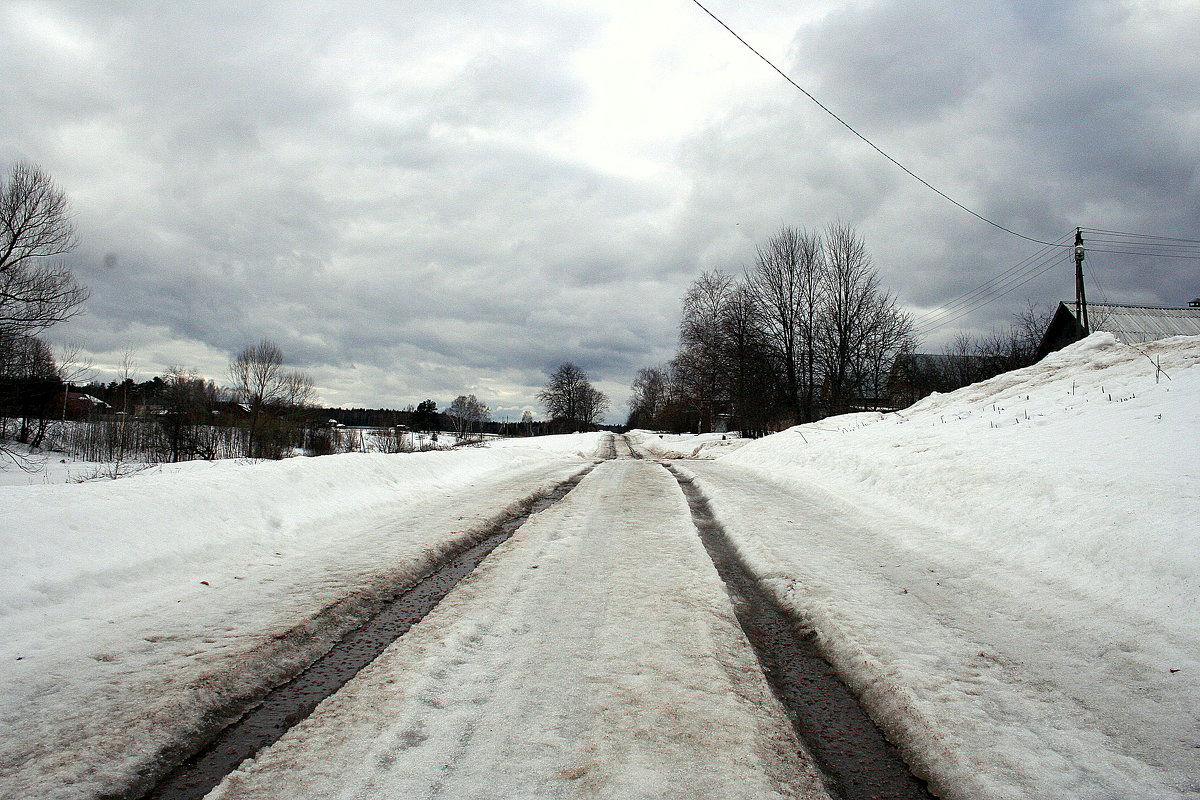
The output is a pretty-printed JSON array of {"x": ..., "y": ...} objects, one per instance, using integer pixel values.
[
  {"x": 1008, "y": 574},
  {"x": 1088, "y": 462}
]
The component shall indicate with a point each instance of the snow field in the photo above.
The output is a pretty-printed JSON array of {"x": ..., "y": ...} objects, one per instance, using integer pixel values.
[{"x": 134, "y": 613}]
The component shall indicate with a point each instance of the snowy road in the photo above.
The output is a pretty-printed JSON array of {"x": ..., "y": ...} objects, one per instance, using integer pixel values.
[
  {"x": 184, "y": 601},
  {"x": 1017, "y": 633},
  {"x": 595, "y": 654}
]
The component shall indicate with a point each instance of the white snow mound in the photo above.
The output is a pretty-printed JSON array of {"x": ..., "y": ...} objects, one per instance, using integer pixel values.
[{"x": 1087, "y": 463}]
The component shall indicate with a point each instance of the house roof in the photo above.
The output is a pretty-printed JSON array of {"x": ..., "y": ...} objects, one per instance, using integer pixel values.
[{"x": 1136, "y": 324}]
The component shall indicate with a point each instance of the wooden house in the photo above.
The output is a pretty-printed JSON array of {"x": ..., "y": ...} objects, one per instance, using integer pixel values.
[{"x": 1130, "y": 324}]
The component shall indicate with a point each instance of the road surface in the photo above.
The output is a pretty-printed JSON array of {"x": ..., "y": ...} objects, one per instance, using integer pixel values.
[{"x": 595, "y": 654}]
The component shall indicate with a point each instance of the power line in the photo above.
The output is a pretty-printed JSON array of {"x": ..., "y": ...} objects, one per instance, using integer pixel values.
[
  {"x": 1025, "y": 271},
  {"x": 1151, "y": 245},
  {"x": 1095, "y": 273},
  {"x": 1140, "y": 235},
  {"x": 851, "y": 128},
  {"x": 1136, "y": 242},
  {"x": 1141, "y": 244},
  {"x": 985, "y": 289},
  {"x": 1053, "y": 260},
  {"x": 1194, "y": 256}
]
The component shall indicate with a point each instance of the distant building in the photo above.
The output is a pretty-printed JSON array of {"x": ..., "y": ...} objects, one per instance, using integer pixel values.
[
  {"x": 228, "y": 411},
  {"x": 1130, "y": 324},
  {"x": 77, "y": 405}
]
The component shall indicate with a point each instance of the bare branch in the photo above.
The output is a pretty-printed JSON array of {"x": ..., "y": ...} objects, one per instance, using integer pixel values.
[{"x": 34, "y": 226}]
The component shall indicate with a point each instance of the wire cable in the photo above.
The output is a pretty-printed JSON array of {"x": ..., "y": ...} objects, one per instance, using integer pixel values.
[
  {"x": 975, "y": 293},
  {"x": 1141, "y": 241},
  {"x": 1036, "y": 270},
  {"x": 873, "y": 146},
  {"x": 1140, "y": 235},
  {"x": 1194, "y": 256},
  {"x": 1094, "y": 271},
  {"x": 985, "y": 288}
]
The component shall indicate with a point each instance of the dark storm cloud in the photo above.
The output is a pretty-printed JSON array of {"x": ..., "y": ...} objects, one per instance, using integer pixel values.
[
  {"x": 345, "y": 186},
  {"x": 1042, "y": 119},
  {"x": 385, "y": 190}
]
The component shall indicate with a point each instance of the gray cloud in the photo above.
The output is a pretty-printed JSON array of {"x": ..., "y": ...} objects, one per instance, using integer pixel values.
[{"x": 388, "y": 189}]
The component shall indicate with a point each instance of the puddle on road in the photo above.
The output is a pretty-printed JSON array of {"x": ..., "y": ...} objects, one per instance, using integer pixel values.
[
  {"x": 857, "y": 760},
  {"x": 288, "y": 704}
]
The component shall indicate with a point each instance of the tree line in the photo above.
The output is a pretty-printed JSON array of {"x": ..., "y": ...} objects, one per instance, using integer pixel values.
[
  {"x": 805, "y": 332},
  {"x": 36, "y": 292}
]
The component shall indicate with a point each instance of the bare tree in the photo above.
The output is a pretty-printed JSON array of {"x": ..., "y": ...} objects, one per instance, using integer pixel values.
[
  {"x": 261, "y": 382},
  {"x": 74, "y": 365},
  {"x": 593, "y": 405},
  {"x": 297, "y": 390},
  {"x": 127, "y": 373},
  {"x": 702, "y": 361},
  {"x": 189, "y": 400},
  {"x": 647, "y": 401},
  {"x": 862, "y": 328},
  {"x": 570, "y": 399},
  {"x": 1028, "y": 330},
  {"x": 468, "y": 414},
  {"x": 975, "y": 358},
  {"x": 786, "y": 284},
  {"x": 753, "y": 389},
  {"x": 35, "y": 226}
]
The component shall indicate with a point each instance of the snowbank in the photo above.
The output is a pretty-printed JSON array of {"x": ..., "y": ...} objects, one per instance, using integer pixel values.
[
  {"x": 1007, "y": 574},
  {"x": 1087, "y": 463},
  {"x": 59, "y": 540},
  {"x": 582, "y": 445}
]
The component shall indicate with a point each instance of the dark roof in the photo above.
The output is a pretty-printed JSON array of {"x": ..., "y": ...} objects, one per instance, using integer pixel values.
[{"x": 1136, "y": 324}]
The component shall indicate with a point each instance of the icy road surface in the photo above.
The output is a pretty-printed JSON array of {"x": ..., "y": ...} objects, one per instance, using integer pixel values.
[{"x": 595, "y": 654}]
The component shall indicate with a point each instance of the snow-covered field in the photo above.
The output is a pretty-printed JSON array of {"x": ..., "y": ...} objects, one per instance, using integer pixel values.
[
  {"x": 132, "y": 611},
  {"x": 46, "y": 468},
  {"x": 1008, "y": 574},
  {"x": 51, "y": 467}
]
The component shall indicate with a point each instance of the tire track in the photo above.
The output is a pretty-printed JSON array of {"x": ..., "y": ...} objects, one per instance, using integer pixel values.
[
  {"x": 857, "y": 760},
  {"x": 283, "y": 707}
]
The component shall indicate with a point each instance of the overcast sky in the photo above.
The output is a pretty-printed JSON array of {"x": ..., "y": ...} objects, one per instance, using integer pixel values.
[{"x": 425, "y": 199}]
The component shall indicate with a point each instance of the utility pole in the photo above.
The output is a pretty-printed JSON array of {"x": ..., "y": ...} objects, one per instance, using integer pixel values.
[{"x": 1080, "y": 298}]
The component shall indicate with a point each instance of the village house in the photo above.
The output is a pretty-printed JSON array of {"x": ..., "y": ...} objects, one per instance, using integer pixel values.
[{"x": 1130, "y": 324}]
